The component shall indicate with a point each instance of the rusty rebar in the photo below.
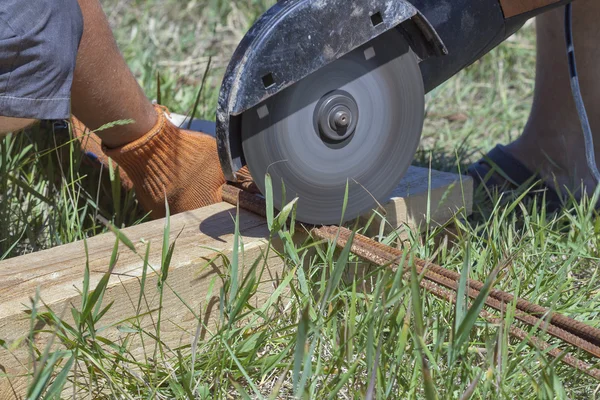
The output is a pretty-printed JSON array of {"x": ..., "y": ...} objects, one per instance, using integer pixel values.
[
  {"x": 577, "y": 328},
  {"x": 381, "y": 254},
  {"x": 444, "y": 284},
  {"x": 246, "y": 200},
  {"x": 518, "y": 333}
]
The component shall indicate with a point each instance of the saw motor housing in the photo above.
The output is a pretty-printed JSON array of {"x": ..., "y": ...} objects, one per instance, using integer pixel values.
[{"x": 298, "y": 37}]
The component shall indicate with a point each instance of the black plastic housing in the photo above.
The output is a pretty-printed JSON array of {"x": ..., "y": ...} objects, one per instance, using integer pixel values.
[{"x": 297, "y": 37}]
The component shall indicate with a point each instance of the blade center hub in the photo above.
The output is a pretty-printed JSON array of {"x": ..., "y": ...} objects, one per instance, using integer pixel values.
[
  {"x": 340, "y": 117},
  {"x": 336, "y": 116}
]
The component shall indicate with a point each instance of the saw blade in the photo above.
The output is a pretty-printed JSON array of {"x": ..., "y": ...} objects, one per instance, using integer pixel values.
[{"x": 353, "y": 126}]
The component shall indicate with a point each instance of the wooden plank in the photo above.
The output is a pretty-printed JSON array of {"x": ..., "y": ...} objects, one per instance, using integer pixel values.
[
  {"x": 512, "y": 8},
  {"x": 204, "y": 238},
  {"x": 196, "y": 266}
]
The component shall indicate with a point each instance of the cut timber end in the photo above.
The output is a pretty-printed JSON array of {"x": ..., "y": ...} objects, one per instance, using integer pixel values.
[
  {"x": 204, "y": 240},
  {"x": 426, "y": 194}
]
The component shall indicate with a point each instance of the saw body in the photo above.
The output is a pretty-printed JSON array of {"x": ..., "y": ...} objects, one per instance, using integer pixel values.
[{"x": 327, "y": 96}]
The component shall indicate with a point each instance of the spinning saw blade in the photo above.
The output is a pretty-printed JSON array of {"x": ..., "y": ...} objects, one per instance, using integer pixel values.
[{"x": 353, "y": 125}]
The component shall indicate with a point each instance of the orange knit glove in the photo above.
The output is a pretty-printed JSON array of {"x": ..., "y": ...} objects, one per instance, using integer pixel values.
[
  {"x": 181, "y": 164},
  {"x": 168, "y": 161}
]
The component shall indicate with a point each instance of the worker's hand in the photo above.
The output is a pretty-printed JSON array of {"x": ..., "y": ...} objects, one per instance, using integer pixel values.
[{"x": 179, "y": 164}]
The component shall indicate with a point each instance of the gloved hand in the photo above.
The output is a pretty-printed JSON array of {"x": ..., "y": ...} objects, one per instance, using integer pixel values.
[{"x": 181, "y": 164}]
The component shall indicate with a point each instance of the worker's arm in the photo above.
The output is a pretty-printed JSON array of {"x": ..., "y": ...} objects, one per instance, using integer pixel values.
[
  {"x": 513, "y": 8},
  {"x": 8, "y": 124}
]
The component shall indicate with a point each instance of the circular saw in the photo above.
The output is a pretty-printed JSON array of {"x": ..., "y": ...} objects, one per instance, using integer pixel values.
[{"x": 327, "y": 96}]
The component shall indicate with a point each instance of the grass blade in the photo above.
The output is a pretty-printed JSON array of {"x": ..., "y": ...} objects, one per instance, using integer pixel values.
[
  {"x": 95, "y": 299},
  {"x": 428, "y": 384},
  {"x": 299, "y": 353},
  {"x": 235, "y": 259},
  {"x": 338, "y": 271},
  {"x": 243, "y": 371},
  {"x": 464, "y": 330},
  {"x": 60, "y": 380},
  {"x": 269, "y": 201},
  {"x": 461, "y": 301}
]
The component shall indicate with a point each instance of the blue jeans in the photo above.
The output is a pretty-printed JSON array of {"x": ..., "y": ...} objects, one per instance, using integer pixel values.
[{"x": 39, "y": 40}]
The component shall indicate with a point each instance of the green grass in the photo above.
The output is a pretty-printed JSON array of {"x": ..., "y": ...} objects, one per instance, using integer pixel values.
[
  {"x": 328, "y": 333},
  {"x": 322, "y": 333}
]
